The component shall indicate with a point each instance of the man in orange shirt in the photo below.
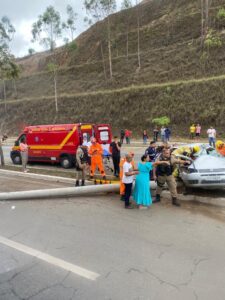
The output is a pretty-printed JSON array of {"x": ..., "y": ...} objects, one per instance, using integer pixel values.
[
  {"x": 122, "y": 185},
  {"x": 96, "y": 151}
]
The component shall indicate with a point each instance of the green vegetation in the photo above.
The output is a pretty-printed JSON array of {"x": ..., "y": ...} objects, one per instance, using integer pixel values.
[
  {"x": 161, "y": 121},
  {"x": 47, "y": 29},
  {"x": 212, "y": 40}
]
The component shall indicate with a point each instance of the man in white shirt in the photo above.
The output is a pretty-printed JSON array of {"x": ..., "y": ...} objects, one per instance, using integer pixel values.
[
  {"x": 212, "y": 136},
  {"x": 128, "y": 177}
]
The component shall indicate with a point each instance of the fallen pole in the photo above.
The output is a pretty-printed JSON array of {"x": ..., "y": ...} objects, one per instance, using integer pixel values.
[
  {"x": 59, "y": 192},
  {"x": 63, "y": 192}
]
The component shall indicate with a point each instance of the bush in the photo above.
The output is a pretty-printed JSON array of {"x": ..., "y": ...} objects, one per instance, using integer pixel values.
[
  {"x": 161, "y": 121},
  {"x": 212, "y": 40}
]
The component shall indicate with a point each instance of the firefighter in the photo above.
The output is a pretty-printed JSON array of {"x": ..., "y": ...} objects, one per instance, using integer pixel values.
[
  {"x": 122, "y": 185},
  {"x": 96, "y": 151},
  {"x": 220, "y": 147},
  {"x": 82, "y": 165},
  {"x": 164, "y": 174},
  {"x": 185, "y": 151}
]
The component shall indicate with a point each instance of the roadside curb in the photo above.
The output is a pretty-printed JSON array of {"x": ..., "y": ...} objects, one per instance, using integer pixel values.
[{"x": 39, "y": 176}]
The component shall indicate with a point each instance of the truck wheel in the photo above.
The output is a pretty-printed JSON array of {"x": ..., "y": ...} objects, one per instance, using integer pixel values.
[
  {"x": 66, "y": 162},
  {"x": 16, "y": 158}
]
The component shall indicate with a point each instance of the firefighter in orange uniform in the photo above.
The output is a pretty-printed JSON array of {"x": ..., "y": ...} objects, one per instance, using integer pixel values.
[
  {"x": 96, "y": 151},
  {"x": 122, "y": 186},
  {"x": 220, "y": 147}
]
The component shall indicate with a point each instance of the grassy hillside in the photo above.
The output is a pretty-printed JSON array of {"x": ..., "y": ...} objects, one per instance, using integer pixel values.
[
  {"x": 184, "y": 102},
  {"x": 172, "y": 80}
]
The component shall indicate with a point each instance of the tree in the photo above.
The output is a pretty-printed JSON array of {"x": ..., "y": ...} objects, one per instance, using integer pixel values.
[
  {"x": 53, "y": 68},
  {"x": 100, "y": 9},
  {"x": 7, "y": 30},
  {"x": 108, "y": 7},
  {"x": 126, "y": 5},
  {"x": 205, "y": 6},
  {"x": 6, "y": 34},
  {"x": 70, "y": 22},
  {"x": 9, "y": 71},
  {"x": 138, "y": 34},
  {"x": 31, "y": 51},
  {"x": 8, "y": 68},
  {"x": 47, "y": 29}
]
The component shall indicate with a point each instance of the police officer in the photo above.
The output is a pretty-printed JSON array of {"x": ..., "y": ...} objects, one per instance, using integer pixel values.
[
  {"x": 82, "y": 164},
  {"x": 164, "y": 174},
  {"x": 151, "y": 151}
]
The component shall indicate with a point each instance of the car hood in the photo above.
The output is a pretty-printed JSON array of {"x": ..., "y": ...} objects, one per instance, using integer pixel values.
[{"x": 209, "y": 163}]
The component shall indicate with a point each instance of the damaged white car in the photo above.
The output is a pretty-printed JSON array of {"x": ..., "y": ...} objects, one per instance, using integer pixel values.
[{"x": 206, "y": 171}]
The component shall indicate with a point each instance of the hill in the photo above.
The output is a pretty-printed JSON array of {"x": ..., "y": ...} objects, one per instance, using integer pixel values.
[{"x": 177, "y": 77}]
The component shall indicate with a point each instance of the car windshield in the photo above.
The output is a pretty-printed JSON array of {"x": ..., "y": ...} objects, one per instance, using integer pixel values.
[{"x": 206, "y": 150}]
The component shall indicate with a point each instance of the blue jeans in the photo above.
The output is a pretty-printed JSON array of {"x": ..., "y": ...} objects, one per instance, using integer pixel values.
[{"x": 212, "y": 141}]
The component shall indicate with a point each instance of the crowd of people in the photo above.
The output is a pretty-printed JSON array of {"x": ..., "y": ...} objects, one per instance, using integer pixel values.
[
  {"x": 163, "y": 134},
  {"x": 158, "y": 163}
]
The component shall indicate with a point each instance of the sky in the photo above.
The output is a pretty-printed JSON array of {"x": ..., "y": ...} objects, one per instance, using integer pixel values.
[{"x": 23, "y": 13}]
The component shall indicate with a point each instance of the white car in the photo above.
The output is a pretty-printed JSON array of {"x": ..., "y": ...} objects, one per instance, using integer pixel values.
[{"x": 206, "y": 171}]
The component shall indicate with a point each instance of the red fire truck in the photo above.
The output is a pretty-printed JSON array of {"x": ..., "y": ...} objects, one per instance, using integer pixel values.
[{"x": 58, "y": 143}]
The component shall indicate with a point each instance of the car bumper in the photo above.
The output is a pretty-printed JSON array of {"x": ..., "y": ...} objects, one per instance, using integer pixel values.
[{"x": 211, "y": 181}]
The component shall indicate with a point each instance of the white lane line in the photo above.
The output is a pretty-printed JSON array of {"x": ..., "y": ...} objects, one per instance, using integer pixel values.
[{"x": 50, "y": 259}]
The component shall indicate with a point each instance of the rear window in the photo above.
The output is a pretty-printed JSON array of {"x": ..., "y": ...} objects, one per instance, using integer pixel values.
[{"x": 104, "y": 136}]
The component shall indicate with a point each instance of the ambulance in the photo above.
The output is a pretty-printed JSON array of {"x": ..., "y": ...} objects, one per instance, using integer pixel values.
[{"x": 58, "y": 143}]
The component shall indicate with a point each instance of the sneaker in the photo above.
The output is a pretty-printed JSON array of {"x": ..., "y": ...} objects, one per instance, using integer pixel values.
[
  {"x": 129, "y": 207},
  {"x": 143, "y": 207}
]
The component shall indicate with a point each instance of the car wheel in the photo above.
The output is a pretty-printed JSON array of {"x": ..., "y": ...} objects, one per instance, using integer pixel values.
[
  {"x": 66, "y": 162},
  {"x": 16, "y": 158}
]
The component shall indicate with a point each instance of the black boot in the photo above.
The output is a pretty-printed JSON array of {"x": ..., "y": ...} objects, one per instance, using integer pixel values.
[
  {"x": 157, "y": 198},
  {"x": 83, "y": 182},
  {"x": 175, "y": 201},
  {"x": 77, "y": 183}
]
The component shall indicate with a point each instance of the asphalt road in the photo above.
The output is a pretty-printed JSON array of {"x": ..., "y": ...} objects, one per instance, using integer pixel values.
[{"x": 158, "y": 254}]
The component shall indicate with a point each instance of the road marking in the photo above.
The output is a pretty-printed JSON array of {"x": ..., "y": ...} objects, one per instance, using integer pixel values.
[{"x": 50, "y": 259}]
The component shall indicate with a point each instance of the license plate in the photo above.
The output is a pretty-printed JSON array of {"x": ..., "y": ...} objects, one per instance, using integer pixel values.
[{"x": 214, "y": 178}]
